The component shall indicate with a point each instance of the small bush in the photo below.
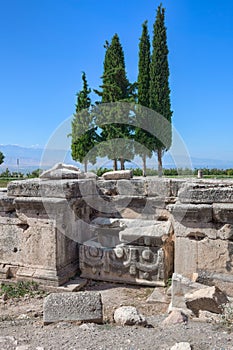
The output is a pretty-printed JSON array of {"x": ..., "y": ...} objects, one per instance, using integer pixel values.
[{"x": 100, "y": 171}]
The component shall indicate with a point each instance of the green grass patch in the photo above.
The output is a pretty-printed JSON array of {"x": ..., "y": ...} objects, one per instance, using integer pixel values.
[{"x": 20, "y": 289}]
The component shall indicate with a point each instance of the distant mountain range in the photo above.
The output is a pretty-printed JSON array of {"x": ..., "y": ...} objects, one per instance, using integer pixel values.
[{"x": 29, "y": 158}]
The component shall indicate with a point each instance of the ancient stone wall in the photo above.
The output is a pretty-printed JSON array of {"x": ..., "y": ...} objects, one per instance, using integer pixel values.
[{"x": 135, "y": 230}]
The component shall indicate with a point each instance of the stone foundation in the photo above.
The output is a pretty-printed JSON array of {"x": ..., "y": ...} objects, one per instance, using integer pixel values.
[{"x": 133, "y": 231}]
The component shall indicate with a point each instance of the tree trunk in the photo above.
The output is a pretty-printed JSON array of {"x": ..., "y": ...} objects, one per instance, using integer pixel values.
[
  {"x": 85, "y": 166},
  {"x": 122, "y": 163},
  {"x": 114, "y": 164},
  {"x": 144, "y": 165},
  {"x": 160, "y": 162}
]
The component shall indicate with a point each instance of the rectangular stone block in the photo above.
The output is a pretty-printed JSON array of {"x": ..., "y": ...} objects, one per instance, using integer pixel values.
[
  {"x": 205, "y": 193},
  {"x": 186, "y": 257},
  {"x": 193, "y": 213},
  {"x": 126, "y": 264},
  {"x": 195, "y": 231},
  {"x": 80, "y": 306},
  {"x": 157, "y": 187},
  {"x": 134, "y": 187},
  {"x": 52, "y": 188},
  {"x": 207, "y": 254},
  {"x": 223, "y": 212}
]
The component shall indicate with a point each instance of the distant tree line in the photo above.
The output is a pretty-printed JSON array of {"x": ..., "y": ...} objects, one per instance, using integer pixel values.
[
  {"x": 15, "y": 174},
  {"x": 97, "y": 133}
]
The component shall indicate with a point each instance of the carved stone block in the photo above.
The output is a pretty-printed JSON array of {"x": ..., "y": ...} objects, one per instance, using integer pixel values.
[{"x": 132, "y": 264}]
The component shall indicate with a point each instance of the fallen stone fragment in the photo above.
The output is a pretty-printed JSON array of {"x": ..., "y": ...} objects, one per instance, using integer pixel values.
[
  {"x": 62, "y": 171},
  {"x": 175, "y": 317},
  {"x": 180, "y": 286},
  {"x": 209, "y": 299},
  {"x": 129, "y": 316},
  {"x": 118, "y": 175},
  {"x": 181, "y": 346},
  {"x": 208, "y": 317},
  {"x": 158, "y": 296},
  {"x": 80, "y": 306}
]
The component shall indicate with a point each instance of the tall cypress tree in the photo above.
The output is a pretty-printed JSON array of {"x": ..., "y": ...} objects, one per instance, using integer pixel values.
[
  {"x": 159, "y": 82},
  {"x": 83, "y": 128},
  {"x": 142, "y": 136},
  {"x": 1, "y": 157},
  {"x": 115, "y": 87}
]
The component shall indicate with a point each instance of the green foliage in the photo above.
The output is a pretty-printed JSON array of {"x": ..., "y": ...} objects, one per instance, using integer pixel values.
[
  {"x": 159, "y": 84},
  {"x": 144, "y": 145},
  {"x": 34, "y": 173},
  {"x": 144, "y": 68},
  {"x": 1, "y": 157},
  {"x": 100, "y": 171},
  {"x": 20, "y": 289},
  {"x": 83, "y": 133},
  {"x": 137, "y": 172},
  {"x": 116, "y": 87}
]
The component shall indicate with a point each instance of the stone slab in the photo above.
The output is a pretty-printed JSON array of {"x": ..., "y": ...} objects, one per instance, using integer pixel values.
[
  {"x": 80, "y": 306},
  {"x": 206, "y": 193},
  {"x": 117, "y": 175},
  {"x": 192, "y": 213},
  {"x": 210, "y": 299},
  {"x": 52, "y": 188}
]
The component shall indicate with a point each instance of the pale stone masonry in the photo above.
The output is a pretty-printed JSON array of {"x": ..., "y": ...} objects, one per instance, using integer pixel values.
[{"x": 136, "y": 230}]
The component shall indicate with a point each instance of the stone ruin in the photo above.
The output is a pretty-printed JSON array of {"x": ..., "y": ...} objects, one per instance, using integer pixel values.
[{"x": 116, "y": 228}]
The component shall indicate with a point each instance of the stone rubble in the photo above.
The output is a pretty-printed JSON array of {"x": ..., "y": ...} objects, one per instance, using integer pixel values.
[{"x": 129, "y": 316}]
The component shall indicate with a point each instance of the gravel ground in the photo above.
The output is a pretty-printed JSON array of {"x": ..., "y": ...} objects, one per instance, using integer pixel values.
[{"x": 21, "y": 320}]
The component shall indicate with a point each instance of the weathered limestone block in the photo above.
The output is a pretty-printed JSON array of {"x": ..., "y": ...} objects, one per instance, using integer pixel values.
[
  {"x": 158, "y": 188},
  {"x": 204, "y": 192},
  {"x": 181, "y": 346},
  {"x": 175, "y": 317},
  {"x": 11, "y": 240},
  {"x": 108, "y": 188},
  {"x": 6, "y": 204},
  {"x": 210, "y": 299},
  {"x": 192, "y": 213},
  {"x": 52, "y": 188},
  {"x": 132, "y": 264},
  {"x": 223, "y": 212},
  {"x": 118, "y": 175},
  {"x": 134, "y": 187},
  {"x": 62, "y": 171},
  {"x": 214, "y": 256},
  {"x": 129, "y": 316},
  {"x": 195, "y": 231},
  {"x": 81, "y": 306},
  {"x": 153, "y": 235},
  {"x": 180, "y": 287}
]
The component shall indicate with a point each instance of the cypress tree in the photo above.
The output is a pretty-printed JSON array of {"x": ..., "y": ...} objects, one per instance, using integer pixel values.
[
  {"x": 115, "y": 87},
  {"x": 1, "y": 157},
  {"x": 159, "y": 82},
  {"x": 83, "y": 128},
  {"x": 142, "y": 136}
]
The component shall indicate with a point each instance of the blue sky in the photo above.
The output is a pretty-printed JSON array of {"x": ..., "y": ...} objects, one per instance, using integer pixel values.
[{"x": 46, "y": 44}]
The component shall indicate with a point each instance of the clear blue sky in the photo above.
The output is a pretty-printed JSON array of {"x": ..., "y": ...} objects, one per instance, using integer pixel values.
[{"x": 46, "y": 44}]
